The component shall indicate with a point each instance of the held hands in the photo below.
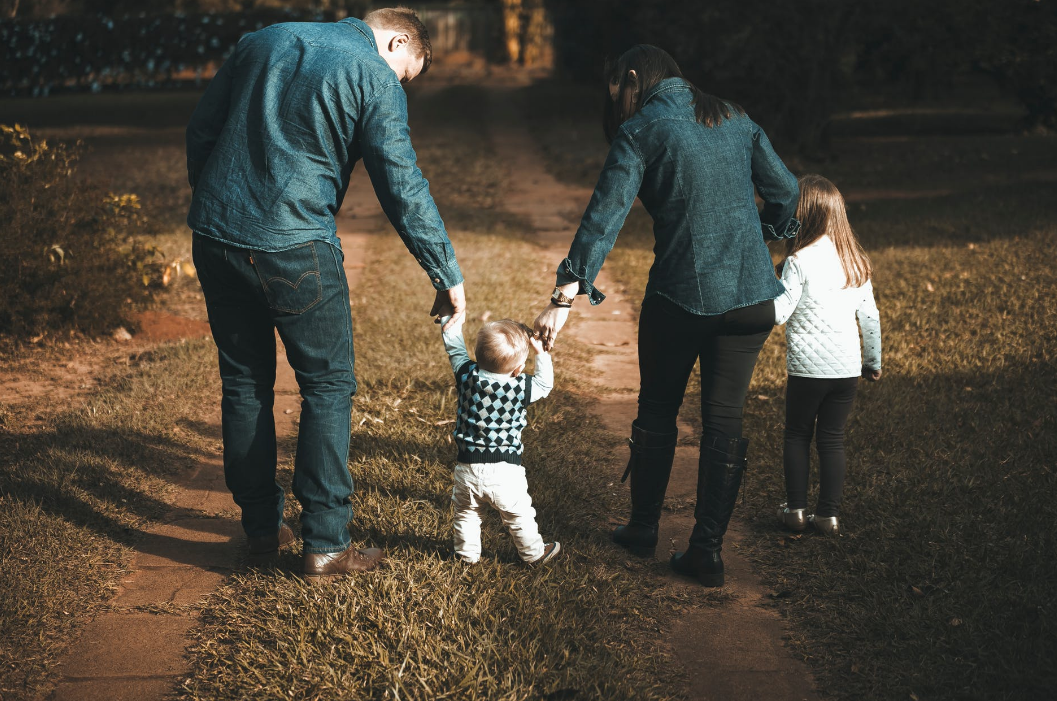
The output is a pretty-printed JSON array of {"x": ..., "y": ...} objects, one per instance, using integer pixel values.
[
  {"x": 870, "y": 374},
  {"x": 548, "y": 324},
  {"x": 449, "y": 303},
  {"x": 553, "y": 317}
]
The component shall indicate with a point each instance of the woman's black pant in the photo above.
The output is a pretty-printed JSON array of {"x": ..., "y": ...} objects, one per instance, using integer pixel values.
[
  {"x": 672, "y": 339},
  {"x": 820, "y": 406}
]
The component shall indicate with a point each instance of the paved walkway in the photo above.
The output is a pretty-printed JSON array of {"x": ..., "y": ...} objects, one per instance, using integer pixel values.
[
  {"x": 729, "y": 652},
  {"x": 135, "y": 650}
]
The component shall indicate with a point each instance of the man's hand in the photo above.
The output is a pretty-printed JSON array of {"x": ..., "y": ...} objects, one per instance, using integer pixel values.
[
  {"x": 450, "y": 303},
  {"x": 871, "y": 375}
]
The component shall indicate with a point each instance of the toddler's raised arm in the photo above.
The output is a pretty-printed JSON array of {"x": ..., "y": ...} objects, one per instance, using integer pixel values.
[{"x": 454, "y": 344}]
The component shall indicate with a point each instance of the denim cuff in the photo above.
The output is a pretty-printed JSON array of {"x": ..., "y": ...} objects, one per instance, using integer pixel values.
[
  {"x": 566, "y": 276},
  {"x": 447, "y": 277},
  {"x": 791, "y": 230}
]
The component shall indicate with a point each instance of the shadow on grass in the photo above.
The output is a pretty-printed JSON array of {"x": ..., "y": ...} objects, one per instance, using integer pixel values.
[
  {"x": 949, "y": 515},
  {"x": 108, "y": 480}
]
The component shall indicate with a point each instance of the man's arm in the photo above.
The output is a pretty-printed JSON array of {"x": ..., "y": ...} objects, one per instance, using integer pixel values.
[
  {"x": 207, "y": 122},
  {"x": 401, "y": 188}
]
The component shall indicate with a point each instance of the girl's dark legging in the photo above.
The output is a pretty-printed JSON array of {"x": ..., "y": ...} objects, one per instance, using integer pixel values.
[
  {"x": 820, "y": 406},
  {"x": 671, "y": 340}
]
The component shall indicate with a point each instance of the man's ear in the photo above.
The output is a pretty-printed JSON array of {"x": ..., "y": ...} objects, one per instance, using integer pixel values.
[
  {"x": 633, "y": 77},
  {"x": 398, "y": 41}
]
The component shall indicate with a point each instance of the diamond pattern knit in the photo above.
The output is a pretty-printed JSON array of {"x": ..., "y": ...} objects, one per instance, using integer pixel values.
[{"x": 490, "y": 417}]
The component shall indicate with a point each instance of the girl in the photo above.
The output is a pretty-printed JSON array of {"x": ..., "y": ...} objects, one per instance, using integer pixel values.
[{"x": 826, "y": 276}]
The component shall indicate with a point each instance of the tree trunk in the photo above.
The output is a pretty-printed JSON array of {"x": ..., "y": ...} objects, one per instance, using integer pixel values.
[{"x": 512, "y": 29}]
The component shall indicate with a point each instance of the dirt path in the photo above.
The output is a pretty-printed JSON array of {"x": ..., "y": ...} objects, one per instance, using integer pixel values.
[
  {"x": 730, "y": 652},
  {"x": 136, "y": 650}
]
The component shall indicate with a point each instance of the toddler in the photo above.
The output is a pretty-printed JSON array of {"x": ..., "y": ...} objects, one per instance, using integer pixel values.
[
  {"x": 494, "y": 394},
  {"x": 826, "y": 275}
]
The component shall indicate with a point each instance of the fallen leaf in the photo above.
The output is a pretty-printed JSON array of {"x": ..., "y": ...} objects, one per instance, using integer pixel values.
[{"x": 929, "y": 287}]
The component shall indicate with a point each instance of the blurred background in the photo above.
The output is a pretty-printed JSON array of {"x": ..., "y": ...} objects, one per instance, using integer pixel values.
[{"x": 792, "y": 64}]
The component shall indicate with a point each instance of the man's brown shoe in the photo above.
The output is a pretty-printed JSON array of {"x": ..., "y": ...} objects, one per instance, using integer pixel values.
[
  {"x": 329, "y": 565},
  {"x": 267, "y": 545}
]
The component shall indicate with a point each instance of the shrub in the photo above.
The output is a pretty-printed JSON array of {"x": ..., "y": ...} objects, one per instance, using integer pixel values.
[{"x": 70, "y": 259}]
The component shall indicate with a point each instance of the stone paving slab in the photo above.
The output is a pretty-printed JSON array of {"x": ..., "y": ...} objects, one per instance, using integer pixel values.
[
  {"x": 181, "y": 586},
  {"x": 118, "y": 645},
  {"x": 204, "y": 491},
  {"x": 192, "y": 542},
  {"x": 132, "y": 689}
]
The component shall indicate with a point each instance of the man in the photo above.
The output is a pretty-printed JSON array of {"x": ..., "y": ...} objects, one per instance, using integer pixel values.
[{"x": 270, "y": 148}]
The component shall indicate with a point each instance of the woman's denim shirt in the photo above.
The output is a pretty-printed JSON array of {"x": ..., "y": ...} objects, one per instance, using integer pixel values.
[
  {"x": 697, "y": 184},
  {"x": 273, "y": 141}
]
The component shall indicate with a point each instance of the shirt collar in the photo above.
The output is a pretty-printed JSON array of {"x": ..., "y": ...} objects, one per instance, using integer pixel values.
[
  {"x": 363, "y": 29},
  {"x": 666, "y": 85}
]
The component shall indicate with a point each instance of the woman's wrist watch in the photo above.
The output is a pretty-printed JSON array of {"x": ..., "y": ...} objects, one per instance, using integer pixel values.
[{"x": 559, "y": 299}]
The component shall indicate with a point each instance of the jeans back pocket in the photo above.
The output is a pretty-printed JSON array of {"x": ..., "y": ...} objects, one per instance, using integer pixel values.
[{"x": 290, "y": 278}]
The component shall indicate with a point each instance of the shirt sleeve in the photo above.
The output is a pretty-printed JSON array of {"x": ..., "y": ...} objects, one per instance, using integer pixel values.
[
  {"x": 870, "y": 325},
  {"x": 776, "y": 186},
  {"x": 617, "y": 188},
  {"x": 401, "y": 188},
  {"x": 793, "y": 282},
  {"x": 542, "y": 378},
  {"x": 454, "y": 344},
  {"x": 207, "y": 121}
]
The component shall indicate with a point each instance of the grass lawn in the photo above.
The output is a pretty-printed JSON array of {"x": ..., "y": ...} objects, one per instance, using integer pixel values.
[{"x": 944, "y": 585}]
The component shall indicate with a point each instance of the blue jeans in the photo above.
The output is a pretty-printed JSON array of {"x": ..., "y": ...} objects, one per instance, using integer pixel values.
[{"x": 302, "y": 293}]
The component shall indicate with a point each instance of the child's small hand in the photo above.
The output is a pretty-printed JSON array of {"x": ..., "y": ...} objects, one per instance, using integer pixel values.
[
  {"x": 537, "y": 344},
  {"x": 870, "y": 374},
  {"x": 442, "y": 320}
]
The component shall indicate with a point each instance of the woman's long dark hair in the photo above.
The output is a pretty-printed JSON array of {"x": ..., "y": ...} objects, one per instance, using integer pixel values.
[{"x": 651, "y": 66}]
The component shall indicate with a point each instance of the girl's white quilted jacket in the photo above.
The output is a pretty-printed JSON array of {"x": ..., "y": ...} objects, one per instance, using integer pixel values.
[{"x": 820, "y": 314}]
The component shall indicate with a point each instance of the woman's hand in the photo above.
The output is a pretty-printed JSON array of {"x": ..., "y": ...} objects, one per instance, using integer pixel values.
[{"x": 549, "y": 323}]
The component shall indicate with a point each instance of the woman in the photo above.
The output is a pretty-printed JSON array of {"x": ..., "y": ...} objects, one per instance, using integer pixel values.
[{"x": 693, "y": 160}]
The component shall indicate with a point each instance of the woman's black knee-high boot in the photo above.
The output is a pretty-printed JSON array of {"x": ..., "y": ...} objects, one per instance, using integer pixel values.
[
  {"x": 650, "y": 467},
  {"x": 719, "y": 474}
]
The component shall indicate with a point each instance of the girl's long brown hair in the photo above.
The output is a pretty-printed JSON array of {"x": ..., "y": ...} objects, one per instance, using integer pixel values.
[
  {"x": 652, "y": 65},
  {"x": 821, "y": 211}
]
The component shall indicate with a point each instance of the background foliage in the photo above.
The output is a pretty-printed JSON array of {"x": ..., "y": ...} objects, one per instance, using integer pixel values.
[{"x": 69, "y": 261}]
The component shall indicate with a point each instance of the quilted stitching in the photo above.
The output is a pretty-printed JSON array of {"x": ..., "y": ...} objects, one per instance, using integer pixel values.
[{"x": 822, "y": 333}]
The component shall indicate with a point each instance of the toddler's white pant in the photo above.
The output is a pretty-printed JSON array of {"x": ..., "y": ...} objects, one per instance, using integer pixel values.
[{"x": 503, "y": 486}]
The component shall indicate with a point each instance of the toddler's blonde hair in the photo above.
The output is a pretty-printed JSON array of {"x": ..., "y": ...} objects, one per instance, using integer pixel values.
[{"x": 502, "y": 346}]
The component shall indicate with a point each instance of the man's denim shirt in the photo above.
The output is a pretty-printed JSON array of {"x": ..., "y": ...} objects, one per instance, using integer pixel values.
[
  {"x": 697, "y": 184},
  {"x": 275, "y": 137}
]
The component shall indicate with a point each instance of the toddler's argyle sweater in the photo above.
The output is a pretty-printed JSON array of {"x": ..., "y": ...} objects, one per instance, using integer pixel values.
[{"x": 491, "y": 416}]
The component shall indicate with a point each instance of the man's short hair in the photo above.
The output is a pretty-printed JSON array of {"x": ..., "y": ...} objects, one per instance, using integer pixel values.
[
  {"x": 502, "y": 346},
  {"x": 404, "y": 19}
]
